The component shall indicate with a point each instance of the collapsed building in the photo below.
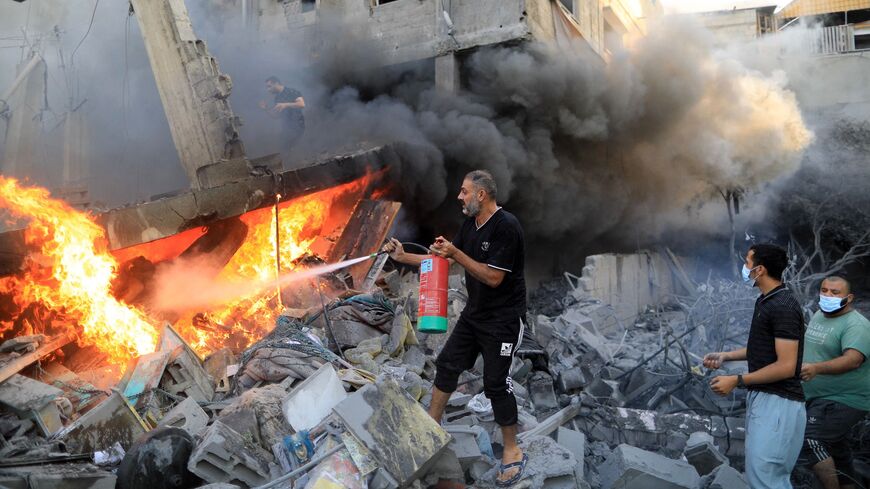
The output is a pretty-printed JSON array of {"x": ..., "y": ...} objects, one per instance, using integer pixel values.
[{"x": 320, "y": 382}]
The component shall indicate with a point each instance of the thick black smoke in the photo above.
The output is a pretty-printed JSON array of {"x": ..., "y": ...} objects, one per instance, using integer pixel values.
[{"x": 584, "y": 152}]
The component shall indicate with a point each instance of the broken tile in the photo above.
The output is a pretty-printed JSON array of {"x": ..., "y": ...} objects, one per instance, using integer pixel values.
[{"x": 395, "y": 428}]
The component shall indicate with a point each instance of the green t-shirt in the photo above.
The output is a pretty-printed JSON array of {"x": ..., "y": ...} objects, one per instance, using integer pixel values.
[{"x": 826, "y": 339}]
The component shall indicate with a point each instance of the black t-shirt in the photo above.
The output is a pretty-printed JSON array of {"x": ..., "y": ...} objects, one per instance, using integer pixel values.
[
  {"x": 291, "y": 118},
  {"x": 499, "y": 244},
  {"x": 777, "y": 315}
]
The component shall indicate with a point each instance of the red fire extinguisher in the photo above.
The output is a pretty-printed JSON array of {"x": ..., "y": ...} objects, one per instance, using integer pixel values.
[{"x": 432, "y": 310}]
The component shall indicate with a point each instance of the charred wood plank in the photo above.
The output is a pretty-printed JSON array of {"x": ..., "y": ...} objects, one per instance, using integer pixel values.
[{"x": 364, "y": 234}]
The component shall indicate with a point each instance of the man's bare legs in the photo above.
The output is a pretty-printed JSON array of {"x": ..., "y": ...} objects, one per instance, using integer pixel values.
[
  {"x": 826, "y": 471},
  {"x": 512, "y": 452},
  {"x": 438, "y": 404}
]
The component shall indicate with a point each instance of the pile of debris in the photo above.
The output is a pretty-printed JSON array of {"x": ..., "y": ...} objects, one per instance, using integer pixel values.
[{"x": 335, "y": 397}]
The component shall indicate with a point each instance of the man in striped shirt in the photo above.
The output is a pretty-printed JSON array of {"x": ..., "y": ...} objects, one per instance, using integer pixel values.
[{"x": 775, "y": 413}]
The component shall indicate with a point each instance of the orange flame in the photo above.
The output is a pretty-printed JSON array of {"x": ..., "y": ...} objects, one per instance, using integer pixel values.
[
  {"x": 300, "y": 222},
  {"x": 70, "y": 274}
]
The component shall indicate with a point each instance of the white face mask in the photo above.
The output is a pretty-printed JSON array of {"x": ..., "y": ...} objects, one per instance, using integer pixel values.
[{"x": 831, "y": 304}]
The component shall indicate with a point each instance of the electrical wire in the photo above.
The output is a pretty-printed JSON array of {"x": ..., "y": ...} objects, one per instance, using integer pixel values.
[{"x": 90, "y": 25}]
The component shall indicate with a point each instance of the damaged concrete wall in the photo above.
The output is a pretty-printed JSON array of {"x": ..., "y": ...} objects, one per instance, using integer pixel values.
[
  {"x": 629, "y": 283},
  {"x": 193, "y": 90}
]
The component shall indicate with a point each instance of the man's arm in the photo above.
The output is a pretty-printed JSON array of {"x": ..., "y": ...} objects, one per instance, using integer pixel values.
[
  {"x": 848, "y": 361},
  {"x": 715, "y": 360},
  {"x": 783, "y": 368},
  {"x": 492, "y": 277},
  {"x": 397, "y": 253}
]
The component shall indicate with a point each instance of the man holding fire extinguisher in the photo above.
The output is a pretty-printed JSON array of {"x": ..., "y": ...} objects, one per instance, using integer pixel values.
[{"x": 490, "y": 248}]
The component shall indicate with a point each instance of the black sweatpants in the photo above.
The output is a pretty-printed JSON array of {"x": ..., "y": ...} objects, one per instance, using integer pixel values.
[
  {"x": 497, "y": 342},
  {"x": 828, "y": 426}
]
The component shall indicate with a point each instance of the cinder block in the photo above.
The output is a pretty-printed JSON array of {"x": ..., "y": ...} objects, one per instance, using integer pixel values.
[
  {"x": 187, "y": 415},
  {"x": 223, "y": 456},
  {"x": 543, "y": 395},
  {"x": 727, "y": 477},
  {"x": 704, "y": 457},
  {"x": 629, "y": 467}
]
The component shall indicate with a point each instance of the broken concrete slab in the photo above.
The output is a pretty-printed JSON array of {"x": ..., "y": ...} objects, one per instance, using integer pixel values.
[
  {"x": 703, "y": 454},
  {"x": 149, "y": 221},
  {"x": 32, "y": 399},
  {"x": 395, "y": 428},
  {"x": 243, "y": 422},
  {"x": 543, "y": 396},
  {"x": 56, "y": 476},
  {"x": 223, "y": 455},
  {"x": 548, "y": 462},
  {"x": 575, "y": 442},
  {"x": 630, "y": 467},
  {"x": 187, "y": 415},
  {"x": 312, "y": 400},
  {"x": 727, "y": 477},
  {"x": 113, "y": 421}
]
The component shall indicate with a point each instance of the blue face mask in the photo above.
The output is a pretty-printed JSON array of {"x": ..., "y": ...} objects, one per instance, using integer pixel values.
[
  {"x": 831, "y": 304},
  {"x": 746, "y": 272}
]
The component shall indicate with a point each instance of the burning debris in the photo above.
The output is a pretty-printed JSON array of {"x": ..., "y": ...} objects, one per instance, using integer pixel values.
[{"x": 610, "y": 388}]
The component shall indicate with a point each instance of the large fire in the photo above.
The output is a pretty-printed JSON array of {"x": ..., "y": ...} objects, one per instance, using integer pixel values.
[{"x": 72, "y": 273}]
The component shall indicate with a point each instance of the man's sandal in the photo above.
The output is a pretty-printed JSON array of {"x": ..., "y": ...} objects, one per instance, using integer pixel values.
[{"x": 516, "y": 478}]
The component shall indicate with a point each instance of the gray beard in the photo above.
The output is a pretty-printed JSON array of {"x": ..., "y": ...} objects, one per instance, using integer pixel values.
[{"x": 472, "y": 209}]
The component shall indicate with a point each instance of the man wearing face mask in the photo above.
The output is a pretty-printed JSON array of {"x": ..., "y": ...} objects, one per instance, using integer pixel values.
[
  {"x": 836, "y": 383},
  {"x": 775, "y": 412},
  {"x": 490, "y": 247}
]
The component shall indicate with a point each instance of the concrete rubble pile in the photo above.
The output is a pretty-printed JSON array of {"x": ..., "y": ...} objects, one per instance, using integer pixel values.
[{"x": 336, "y": 397}]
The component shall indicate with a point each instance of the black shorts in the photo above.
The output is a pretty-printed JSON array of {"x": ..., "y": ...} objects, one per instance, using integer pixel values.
[
  {"x": 496, "y": 342},
  {"x": 828, "y": 426}
]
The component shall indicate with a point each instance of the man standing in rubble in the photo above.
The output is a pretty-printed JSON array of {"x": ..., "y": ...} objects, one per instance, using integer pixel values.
[
  {"x": 775, "y": 413},
  {"x": 490, "y": 248},
  {"x": 836, "y": 383},
  {"x": 287, "y": 107}
]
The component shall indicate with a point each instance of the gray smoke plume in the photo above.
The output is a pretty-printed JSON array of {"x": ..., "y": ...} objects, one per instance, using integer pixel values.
[
  {"x": 583, "y": 150},
  {"x": 590, "y": 155}
]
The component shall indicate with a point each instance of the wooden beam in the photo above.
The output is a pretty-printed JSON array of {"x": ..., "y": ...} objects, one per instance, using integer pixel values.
[
  {"x": 364, "y": 234},
  {"x": 18, "y": 364}
]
